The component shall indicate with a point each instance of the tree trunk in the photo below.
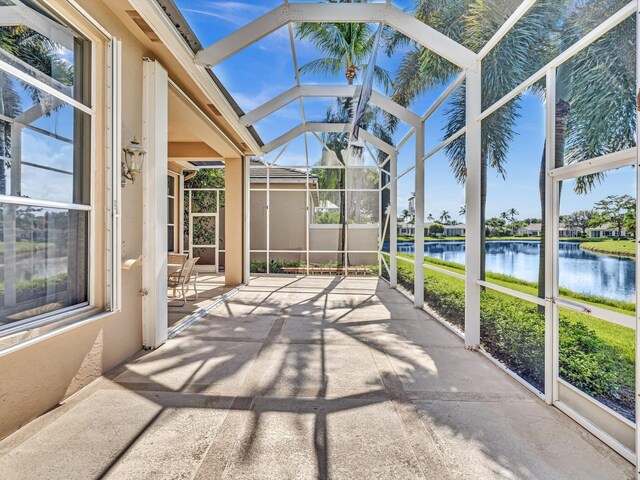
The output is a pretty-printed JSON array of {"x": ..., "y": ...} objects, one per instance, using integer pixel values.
[
  {"x": 562, "y": 116},
  {"x": 483, "y": 214},
  {"x": 344, "y": 257}
]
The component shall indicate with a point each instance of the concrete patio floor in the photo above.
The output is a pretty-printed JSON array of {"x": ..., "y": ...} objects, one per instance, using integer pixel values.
[
  {"x": 306, "y": 378},
  {"x": 210, "y": 288}
]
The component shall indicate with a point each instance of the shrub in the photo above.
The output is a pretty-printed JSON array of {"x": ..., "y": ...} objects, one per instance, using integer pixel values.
[
  {"x": 512, "y": 331},
  {"x": 277, "y": 266}
]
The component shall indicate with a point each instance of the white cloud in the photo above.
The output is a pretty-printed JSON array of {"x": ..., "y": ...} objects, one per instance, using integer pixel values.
[{"x": 235, "y": 13}]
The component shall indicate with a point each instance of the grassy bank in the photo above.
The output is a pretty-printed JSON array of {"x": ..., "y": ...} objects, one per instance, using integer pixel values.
[
  {"x": 595, "y": 356},
  {"x": 405, "y": 238},
  {"x": 624, "y": 248}
]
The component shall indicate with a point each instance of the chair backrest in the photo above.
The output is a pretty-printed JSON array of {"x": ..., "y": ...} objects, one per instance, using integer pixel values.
[
  {"x": 187, "y": 269},
  {"x": 177, "y": 258}
]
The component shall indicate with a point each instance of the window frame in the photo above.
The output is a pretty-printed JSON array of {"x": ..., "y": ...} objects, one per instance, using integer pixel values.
[{"x": 37, "y": 328}]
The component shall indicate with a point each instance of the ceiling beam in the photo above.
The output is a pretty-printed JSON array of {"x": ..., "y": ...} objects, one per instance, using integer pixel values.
[
  {"x": 327, "y": 128},
  {"x": 319, "y": 91},
  {"x": 339, "y": 12}
]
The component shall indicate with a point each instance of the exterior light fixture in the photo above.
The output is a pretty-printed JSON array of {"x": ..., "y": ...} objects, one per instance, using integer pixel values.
[{"x": 132, "y": 162}]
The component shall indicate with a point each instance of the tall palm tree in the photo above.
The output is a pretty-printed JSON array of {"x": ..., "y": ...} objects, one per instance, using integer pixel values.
[
  {"x": 347, "y": 49},
  {"x": 472, "y": 23},
  {"x": 445, "y": 217},
  {"x": 513, "y": 214},
  {"x": 584, "y": 102}
]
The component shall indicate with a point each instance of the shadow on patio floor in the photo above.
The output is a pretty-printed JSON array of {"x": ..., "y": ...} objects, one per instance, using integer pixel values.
[{"x": 310, "y": 377}]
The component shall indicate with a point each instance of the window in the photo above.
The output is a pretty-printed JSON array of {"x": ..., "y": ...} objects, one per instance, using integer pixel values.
[
  {"x": 172, "y": 212},
  {"x": 45, "y": 166}
]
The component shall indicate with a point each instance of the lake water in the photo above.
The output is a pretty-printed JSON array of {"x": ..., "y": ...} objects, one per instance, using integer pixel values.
[{"x": 579, "y": 270}]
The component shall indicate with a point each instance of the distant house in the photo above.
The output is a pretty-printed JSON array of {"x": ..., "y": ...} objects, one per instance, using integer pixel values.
[
  {"x": 406, "y": 229},
  {"x": 531, "y": 230},
  {"x": 409, "y": 229},
  {"x": 604, "y": 231},
  {"x": 567, "y": 232},
  {"x": 459, "y": 230},
  {"x": 535, "y": 230}
]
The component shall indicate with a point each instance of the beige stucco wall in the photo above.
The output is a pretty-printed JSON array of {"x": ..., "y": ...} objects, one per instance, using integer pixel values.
[
  {"x": 35, "y": 379},
  {"x": 288, "y": 224}
]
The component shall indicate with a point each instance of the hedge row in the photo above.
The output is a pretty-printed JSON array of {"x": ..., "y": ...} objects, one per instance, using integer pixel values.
[
  {"x": 277, "y": 266},
  {"x": 512, "y": 330}
]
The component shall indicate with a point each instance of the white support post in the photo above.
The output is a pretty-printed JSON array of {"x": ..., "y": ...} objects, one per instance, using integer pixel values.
[
  {"x": 393, "y": 212},
  {"x": 246, "y": 216},
  {"x": 155, "y": 105},
  {"x": 181, "y": 215},
  {"x": 418, "y": 273},
  {"x": 637, "y": 359},
  {"x": 473, "y": 203},
  {"x": 549, "y": 241}
]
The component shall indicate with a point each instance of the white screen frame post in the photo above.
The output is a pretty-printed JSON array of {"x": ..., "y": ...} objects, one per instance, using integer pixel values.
[
  {"x": 155, "y": 110},
  {"x": 473, "y": 202}
]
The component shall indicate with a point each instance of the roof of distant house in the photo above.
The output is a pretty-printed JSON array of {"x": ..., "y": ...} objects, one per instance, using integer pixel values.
[
  {"x": 604, "y": 226},
  {"x": 533, "y": 227},
  {"x": 258, "y": 174}
]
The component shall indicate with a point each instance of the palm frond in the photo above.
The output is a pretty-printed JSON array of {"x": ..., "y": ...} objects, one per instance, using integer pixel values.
[{"x": 332, "y": 66}]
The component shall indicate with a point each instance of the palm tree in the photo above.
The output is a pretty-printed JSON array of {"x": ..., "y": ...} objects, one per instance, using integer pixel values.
[
  {"x": 430, "y": 218},
  {"x": 347, "y": 48},
  {"x": 472, "y": 23},
  {"x": 584, "y": 102},
  {"x": 445, "y": 217},
  {"x": 463, "y": 211}
]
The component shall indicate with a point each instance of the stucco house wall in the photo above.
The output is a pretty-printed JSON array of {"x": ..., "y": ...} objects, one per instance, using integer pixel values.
[{"x": 37, "y": 377}]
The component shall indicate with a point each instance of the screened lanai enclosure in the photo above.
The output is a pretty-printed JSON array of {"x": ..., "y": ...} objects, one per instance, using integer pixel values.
[{"x": 513, "y": 121}]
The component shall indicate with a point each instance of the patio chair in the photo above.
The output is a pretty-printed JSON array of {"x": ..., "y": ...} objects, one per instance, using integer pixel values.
[
  {"x": 182, "y": 279},
  {"x": 177, "y": 259},
  {"x": 174, "y": 259}
]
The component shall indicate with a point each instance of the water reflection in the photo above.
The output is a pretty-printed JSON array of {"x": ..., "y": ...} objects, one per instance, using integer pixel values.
[{"x": 579, "y": 270}]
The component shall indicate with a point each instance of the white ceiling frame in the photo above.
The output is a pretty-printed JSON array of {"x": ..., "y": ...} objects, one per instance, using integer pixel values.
[
  {"x": 439, "y": 101},
  {"x": 19, "y": 14},
  {"x": 327, "y": 128},
  {"x": 524, "y": 7},
  {"x": 320, "y": 91},
  {"x": 343, "y": 12}
]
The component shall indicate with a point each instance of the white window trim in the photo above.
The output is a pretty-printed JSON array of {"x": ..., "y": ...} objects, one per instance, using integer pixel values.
[{"x": 36, "y": 329}]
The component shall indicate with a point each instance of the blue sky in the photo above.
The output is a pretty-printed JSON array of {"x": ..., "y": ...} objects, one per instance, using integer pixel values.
[{"x": 266, "y": 69}]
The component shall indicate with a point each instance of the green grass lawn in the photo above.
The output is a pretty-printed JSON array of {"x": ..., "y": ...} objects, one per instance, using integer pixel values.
[{"x": 613, "y": 247}]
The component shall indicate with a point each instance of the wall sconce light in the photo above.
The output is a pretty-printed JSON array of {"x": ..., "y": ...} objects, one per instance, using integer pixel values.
[{"x": 132, "y": 162}]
